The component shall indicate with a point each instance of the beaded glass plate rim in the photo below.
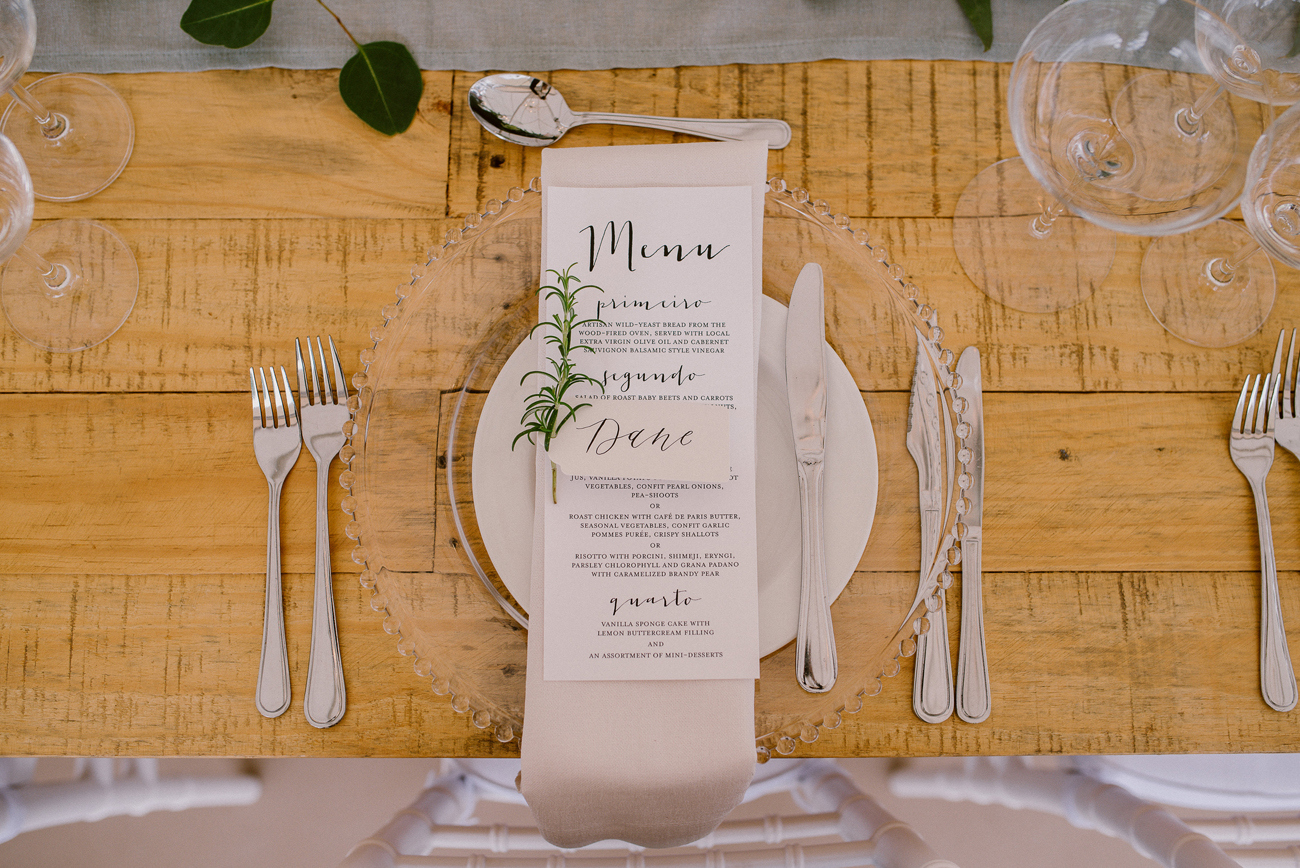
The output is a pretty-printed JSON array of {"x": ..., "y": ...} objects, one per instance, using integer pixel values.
[{"x": 905, "y": 294}]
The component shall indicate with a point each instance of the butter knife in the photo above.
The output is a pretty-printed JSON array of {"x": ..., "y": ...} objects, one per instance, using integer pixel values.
[
  {"x": 805, "y": 382},
  {"x": 974, "y": 700},
  {"x": 932, "y": 687}
]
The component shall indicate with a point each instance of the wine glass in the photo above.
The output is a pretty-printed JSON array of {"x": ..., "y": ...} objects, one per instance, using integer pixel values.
[
  {"x": 1094, "y": 100},
  {"x": 1238, "y": 261},
  {"x": 1209, "y": 287},
  {"x": 75, "y": 132},
  {"x": 1262, "y": 67},
  {"x": 68, "y": 285},
  {"x": 1271, "y": 204}
]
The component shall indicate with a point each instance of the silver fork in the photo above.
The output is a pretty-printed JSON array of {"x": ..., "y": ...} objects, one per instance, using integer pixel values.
[
  {"x": 324, "y": 411},
  {"x": 276, "y": 443},
  {"x": 1288, "y": 425},
  {"x": 1251, "y": 445}
]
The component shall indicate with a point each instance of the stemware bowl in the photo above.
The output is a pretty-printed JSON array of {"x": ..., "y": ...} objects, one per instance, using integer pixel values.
[
  {"x": 66, "y": 286},
  {"x": 1271, "y": 204},
  {"x": 1225, "y": 263},
  {"x": 1209, "y": 287},
  {"x": 1094, "y": 100},
  {"x": 75, "y": 133}
]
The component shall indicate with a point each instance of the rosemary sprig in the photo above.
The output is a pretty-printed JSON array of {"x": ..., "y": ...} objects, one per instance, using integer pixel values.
[{"x": 548, "y": 409}]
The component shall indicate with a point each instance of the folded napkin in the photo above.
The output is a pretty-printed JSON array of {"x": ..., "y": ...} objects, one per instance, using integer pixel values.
[{"x": 653, "y": 763}]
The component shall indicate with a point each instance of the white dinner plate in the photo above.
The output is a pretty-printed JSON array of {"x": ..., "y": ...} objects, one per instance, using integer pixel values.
[{"x": 504, "y": 486}]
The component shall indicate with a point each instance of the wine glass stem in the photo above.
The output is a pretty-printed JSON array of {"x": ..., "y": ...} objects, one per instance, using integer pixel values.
[
  {"x": 1189, "y": 119},
  {"x": 1041, "y": 226},
  {"x": 52, "y": 124},
  {"x": 57, "y": 277},
  {"x": 1221, "y": 269}
]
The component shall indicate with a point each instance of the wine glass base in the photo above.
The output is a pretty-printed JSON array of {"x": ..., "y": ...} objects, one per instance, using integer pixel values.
[
  {"x": 1190, "y": 304},
  {"x": 90, "y": 153},
  {"x": 998, "y": 249},
  {"x": 91, "y": 305}
]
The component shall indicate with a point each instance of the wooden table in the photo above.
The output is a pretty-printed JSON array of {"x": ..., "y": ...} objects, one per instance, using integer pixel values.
[{"x": 1122, "y": 588}]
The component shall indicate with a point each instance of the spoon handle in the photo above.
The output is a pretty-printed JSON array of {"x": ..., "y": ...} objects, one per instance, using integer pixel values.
[{"x": 775, "y": 132}]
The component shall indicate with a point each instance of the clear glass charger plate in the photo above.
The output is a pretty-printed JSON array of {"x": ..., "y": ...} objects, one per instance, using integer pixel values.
[{"x": 410, "y": 449}]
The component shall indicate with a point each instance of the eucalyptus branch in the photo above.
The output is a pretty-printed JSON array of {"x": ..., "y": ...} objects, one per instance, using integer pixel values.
[
  {"x": 381, "y": 83},
  {"x": 335, "y": 16},
  {"x": 548, "y": 409}
]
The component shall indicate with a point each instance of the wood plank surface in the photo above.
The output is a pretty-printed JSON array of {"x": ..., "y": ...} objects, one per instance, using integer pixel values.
[
  {"x": 239, "y": 291},
  {"x": 138, "y": 483},
  {"x": 1121, "y": 582}
]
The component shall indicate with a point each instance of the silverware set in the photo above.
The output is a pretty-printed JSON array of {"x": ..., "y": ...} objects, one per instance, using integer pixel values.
[
  {"x": 932, "y": 443},
  {"x": 1265, "y": 414},
  {"x": 280, "y": 428}
]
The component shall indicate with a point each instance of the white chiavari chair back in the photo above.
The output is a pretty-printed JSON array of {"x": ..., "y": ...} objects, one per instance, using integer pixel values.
[
  {"x": 105, "y": 787},
  {"x": 439, "y": 828},
  {"x": 1158, "y": 804}
]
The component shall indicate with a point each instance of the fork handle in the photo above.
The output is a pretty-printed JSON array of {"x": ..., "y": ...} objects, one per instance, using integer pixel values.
[
  {"x": 1276, "y": 677},
  {"x": 326, "y": 698},
  {"x": 273, "y": 673}
]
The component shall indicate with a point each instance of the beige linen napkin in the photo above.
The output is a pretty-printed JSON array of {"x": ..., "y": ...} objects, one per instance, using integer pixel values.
[{"x": 654, "y": 763}]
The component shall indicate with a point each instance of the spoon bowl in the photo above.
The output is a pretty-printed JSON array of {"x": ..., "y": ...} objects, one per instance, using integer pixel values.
[{"x": 528, "y": 111}]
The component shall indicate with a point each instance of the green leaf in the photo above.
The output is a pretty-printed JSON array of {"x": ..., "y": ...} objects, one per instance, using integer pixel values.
[
  {"x": 382, "y": 85},
  {"x": 1295, "y": 39},
  {"x": 980, "y": 15},
  {"x": 232, "y": 23}
]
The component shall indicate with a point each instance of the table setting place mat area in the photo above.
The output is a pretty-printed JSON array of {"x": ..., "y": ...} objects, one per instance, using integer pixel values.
[{"x": 430, "y": 530}]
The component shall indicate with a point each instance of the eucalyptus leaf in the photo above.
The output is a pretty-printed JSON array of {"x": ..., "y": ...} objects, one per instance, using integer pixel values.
[
  {"x": 232, "y": 23},
  {"x": 382, "y": 85},
  {"x": 980, "y": 14}
]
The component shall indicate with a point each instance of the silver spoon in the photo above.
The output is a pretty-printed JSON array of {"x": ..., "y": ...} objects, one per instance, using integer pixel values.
[{"x": 528, "y": 111}]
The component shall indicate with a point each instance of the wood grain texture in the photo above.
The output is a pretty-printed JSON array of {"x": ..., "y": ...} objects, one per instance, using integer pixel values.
[
  {"x": 270, "y": 143},
  {"x": 239, "y": 291},
  {"x": 1122, "y": 586}
]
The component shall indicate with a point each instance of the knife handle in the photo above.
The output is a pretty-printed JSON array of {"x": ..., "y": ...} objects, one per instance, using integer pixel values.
[
  {"x": 974, "y": 699},
  {"x": 932, "y": 690},
  {"x": 816, "y": 666}
]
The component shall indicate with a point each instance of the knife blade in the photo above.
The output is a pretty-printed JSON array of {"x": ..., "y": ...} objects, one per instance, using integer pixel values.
[
  {"x": 932, "y": 687},
  {"x": 974, "y": 698},
  {"x": 816, "y": 666}
]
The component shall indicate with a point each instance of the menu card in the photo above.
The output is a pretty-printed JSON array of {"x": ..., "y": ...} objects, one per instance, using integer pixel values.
[
  {"x": 650, "y": 541},
  {"x": 657, "y": 763}
]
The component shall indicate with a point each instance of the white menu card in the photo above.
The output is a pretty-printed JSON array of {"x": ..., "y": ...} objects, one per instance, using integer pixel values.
[{"x": 650, "y": 548}]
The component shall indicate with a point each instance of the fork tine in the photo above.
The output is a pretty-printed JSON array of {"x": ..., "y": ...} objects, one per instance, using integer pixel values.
[
  {"x": 257, "y": 408},
  {"x": 1239, "y": 417},
  {"x": 1288, "y": 395},
  {"x": 1277, "y": 355},
  {"x": 288, "y": 399},
  {"x": 281, "y": 420},
  {"x": 341, "y": 389},
  {"x": 327, "y": 392},
  {"x": 268, "y": 415},
  {"x": 1253, "y": 407},
  {"x": 315, "y": 383},
  {"x": 302, "y": 374},
  {"x": 1269, "y": 401}
]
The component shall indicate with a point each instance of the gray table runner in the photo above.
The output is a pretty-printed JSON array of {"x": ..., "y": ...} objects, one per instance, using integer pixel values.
[{"x": 103, "y": 36}]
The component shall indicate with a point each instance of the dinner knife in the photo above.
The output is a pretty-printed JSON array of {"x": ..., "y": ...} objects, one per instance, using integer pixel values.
[
  {"x": 974, "y": 699},
  {"x": 805, "y": 382},
  {"x": 932, "y": 687}
]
